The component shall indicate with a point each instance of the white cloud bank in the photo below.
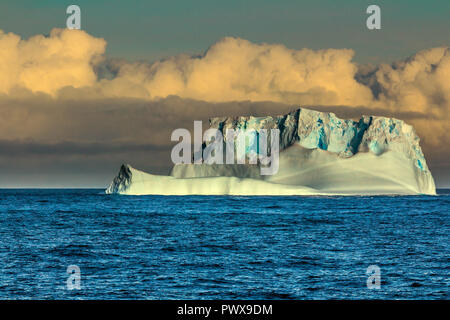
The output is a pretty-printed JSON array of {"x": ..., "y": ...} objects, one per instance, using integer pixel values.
[{"x": 230, "y": 70}]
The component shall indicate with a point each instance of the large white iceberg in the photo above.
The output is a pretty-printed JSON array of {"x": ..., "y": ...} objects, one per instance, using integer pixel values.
[{"x": 320, "y": 154}]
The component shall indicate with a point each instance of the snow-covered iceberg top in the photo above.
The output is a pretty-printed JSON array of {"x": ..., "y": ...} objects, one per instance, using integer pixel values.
[{"x": 319, "y": 154}]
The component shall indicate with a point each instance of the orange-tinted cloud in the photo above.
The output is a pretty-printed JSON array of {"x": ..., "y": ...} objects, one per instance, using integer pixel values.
[
  {"x": 234, "y": 69},
  {"x": 63, "y": 70},
  {"x": 47, "y": 64}
]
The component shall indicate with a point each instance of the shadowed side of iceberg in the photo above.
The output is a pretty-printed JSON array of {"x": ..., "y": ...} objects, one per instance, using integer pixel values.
[
  {"x": 122, "y": 181},
  {"x": 141, "y": 183}
]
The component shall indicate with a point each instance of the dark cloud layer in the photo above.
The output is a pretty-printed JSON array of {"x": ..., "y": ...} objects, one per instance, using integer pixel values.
[{"x": 66, "y": 142}]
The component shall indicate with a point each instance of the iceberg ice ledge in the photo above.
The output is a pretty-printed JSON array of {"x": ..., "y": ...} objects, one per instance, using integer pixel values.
[{"x": 320, "y": 154}]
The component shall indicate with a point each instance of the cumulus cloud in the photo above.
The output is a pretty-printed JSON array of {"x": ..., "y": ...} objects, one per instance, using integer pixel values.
[
  {"x": 47, "y": 64},
  {"x": 421, "y": 84},
  {"x": 236, "y": 69},
  {"x": 59, "y": 93},
  {"x": 232, "y": 69}
]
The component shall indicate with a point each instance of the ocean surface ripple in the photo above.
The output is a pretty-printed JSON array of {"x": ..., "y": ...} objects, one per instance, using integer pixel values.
[{"x": 222, "y": 247}]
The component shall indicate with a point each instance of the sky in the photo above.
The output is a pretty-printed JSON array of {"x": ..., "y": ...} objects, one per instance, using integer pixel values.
[
  {"x": 77, "y": 104},
  {"x": 155, "y": 29}
]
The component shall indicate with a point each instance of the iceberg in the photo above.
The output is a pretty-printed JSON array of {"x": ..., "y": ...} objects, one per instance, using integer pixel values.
[{"x": 320, "y": 154}]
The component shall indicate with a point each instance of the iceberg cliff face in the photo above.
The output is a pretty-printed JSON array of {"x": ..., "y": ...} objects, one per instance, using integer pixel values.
[
  {"x": 319, "y": 154},
  {"x": 319, "y": 130}
]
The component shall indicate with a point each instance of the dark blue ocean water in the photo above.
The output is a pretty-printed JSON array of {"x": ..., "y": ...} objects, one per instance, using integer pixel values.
[{"x": 196, "y": 247}]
